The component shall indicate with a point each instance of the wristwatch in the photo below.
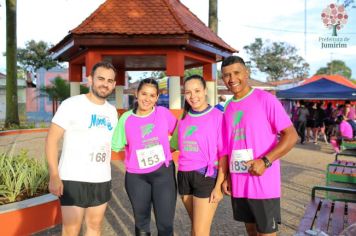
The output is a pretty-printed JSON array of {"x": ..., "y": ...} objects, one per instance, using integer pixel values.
[{"x": 266, "y": 161}]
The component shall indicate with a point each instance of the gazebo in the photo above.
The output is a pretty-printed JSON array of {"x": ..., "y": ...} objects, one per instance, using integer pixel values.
[{"x": 141, "y": 35}]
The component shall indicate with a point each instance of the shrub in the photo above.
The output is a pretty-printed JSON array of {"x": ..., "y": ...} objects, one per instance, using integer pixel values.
[{"x": 22, "y": 177}]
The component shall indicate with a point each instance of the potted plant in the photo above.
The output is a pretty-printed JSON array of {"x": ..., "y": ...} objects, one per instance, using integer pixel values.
[{"x": 25, "y": 205}]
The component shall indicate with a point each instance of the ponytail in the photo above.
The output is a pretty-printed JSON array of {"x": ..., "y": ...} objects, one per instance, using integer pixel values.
[{"x": 186, "y": 109}]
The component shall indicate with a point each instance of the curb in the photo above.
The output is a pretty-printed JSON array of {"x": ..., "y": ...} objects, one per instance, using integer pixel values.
[{"x": 23, "y": 131}]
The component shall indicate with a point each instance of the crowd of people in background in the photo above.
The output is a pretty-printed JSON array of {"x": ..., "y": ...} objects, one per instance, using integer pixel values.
[{"x": 319, "y": 120}]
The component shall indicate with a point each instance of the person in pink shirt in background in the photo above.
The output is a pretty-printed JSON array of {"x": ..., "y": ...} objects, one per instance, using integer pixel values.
[
  {"x": 202, "y": 160},
  {"x": 150, "y": 178},
  {"x": 253, "y": 119},
  {"x": 349, "y": 111},
  {"x": 345, "y": 131}
]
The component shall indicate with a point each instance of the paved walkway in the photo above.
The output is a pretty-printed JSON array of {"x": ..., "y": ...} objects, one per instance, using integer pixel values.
[{"x": 302, "y": 168}]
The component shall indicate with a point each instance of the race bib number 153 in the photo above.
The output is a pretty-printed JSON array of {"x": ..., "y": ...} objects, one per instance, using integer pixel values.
[{"x": 150, "y": 157}]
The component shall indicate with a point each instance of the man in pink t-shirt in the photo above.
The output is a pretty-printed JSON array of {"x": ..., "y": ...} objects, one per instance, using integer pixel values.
[{"x": 253, "y": 119}]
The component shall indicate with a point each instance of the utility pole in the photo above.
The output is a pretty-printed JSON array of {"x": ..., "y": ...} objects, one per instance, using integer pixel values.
[{"x": 305, "y": 29}]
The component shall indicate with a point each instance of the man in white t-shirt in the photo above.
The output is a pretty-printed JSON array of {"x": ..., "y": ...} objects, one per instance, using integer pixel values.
[{"x": 82, "y": 178}]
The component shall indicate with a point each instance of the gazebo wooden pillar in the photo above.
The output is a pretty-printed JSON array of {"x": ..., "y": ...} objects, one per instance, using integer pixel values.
[{"x": 175, "y": 71}]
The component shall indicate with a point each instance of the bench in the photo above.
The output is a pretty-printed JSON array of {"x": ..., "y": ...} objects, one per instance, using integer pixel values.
[
  {"x": 341, "y": 171},
  {"x": 346, "y": 152},
  {"x": 328, "y": 216}
]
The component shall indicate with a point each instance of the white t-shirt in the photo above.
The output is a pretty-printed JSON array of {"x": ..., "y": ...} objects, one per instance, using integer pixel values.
[{"x": 86, "y": 151}]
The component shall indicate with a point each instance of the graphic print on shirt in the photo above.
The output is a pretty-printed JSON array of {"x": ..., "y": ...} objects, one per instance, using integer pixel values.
[
  {"x": 146, "y": 129},
  {"x": 239, "y": 133},
  {"x": 190, "y": 145},
  {"x": 190, "y": 130},
  {"x": 100, "y": 121}
]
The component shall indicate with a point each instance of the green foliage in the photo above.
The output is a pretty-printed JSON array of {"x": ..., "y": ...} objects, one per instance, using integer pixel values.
[
  {"x": 35, "y": 56},
  {"x": 335, "y": 67},
  {"x": 193, "y": 71},
  {"x": 59, "y": 90},
  {"x": 157, "y": 74},
  {"x": 278, "y": 59},
  {"x": 29, "y": 125},
  {"x": 21, "y": 177}
]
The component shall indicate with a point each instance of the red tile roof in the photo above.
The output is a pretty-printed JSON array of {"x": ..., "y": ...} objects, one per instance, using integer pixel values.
[
  {"x": 286, "y": 81},
  {"x": 335, "y": 78},
  {"x": 142, "y": 17}
]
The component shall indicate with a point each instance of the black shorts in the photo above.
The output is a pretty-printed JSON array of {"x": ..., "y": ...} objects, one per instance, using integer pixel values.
[
  {"x": 195, "y": 183},
  {"x": 311, "y": 124},
  {"x": 265, "y": 213},
  {"x": 83, "y": 194}
]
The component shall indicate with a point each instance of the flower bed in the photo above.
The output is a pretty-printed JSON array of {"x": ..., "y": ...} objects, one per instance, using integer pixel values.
[{"x": 25, "y": 205}]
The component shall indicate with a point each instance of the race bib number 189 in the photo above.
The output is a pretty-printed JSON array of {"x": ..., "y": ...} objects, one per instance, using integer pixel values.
[
  {"x": 238, "y": 160},
  {"x": 150, "y": 157}
]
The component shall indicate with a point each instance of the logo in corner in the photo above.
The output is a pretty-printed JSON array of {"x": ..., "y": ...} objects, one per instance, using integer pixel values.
[{"x": 335, "y": 16}]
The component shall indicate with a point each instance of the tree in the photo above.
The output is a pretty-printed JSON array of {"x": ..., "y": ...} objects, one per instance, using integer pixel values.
[
  {"x": 335, "y": 67},
  {"x": 213, "y": 15},
  {"x": 58, "y": 91},
  {"x": 193, "y": 71},
  {"x": 35, "y": 56},
  {"x": 12, "y": 113},
  {"x": 162, "y": 74},
  {"x": 277, "y": 59}
]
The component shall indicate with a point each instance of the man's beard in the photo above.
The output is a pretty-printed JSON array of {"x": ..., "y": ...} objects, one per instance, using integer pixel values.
[{"x": 97, "y": 94}]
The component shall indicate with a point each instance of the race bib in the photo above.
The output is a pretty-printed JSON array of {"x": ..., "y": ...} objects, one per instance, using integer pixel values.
[
  {"x": 100, "y": 154},
  {"x": 239, "y": 159},
  {"x": 150, "y": 157}
]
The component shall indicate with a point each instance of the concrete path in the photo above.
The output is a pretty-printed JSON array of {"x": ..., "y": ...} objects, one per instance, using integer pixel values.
[{"x": 302, "y": 168}]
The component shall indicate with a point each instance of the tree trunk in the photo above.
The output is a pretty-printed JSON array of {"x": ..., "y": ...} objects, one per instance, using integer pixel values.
[
  {"x": 12, "y": 114},
  {"x": 213, "y": 15},
  {"x": 334, "y": 30}
]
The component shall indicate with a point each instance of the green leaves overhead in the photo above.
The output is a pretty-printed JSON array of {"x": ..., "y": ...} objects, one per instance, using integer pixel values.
[
  {"x": 35, "y": 55},
  {"x": 278, "y": 59},
  {"x": 335, "y": 67}
]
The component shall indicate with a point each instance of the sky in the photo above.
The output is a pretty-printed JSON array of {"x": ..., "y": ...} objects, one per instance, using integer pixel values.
[{"x": 239, "y": 23}]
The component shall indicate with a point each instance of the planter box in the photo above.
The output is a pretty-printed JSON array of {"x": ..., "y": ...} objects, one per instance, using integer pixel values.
[{"x": 30, "y": 216}]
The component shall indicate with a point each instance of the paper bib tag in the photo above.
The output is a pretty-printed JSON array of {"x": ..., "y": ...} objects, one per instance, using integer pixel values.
[
  {"x": 239, "y": 159},
  {"x": 100, "y": 154},
  {"x": 150, "y": 157}
]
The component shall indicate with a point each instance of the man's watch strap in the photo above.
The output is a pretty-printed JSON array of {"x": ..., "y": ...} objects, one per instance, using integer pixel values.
[{"x": 266, "y": 161}]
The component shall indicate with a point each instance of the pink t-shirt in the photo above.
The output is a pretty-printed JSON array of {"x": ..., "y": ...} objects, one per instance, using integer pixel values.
[
  {"x": 254, "y": 122},
  {"x": 351, "y": 114},
  {"x": 200, "y": 141},
  {"x": 346, "y": 130},
  {"x": 135, "y": 132}
]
